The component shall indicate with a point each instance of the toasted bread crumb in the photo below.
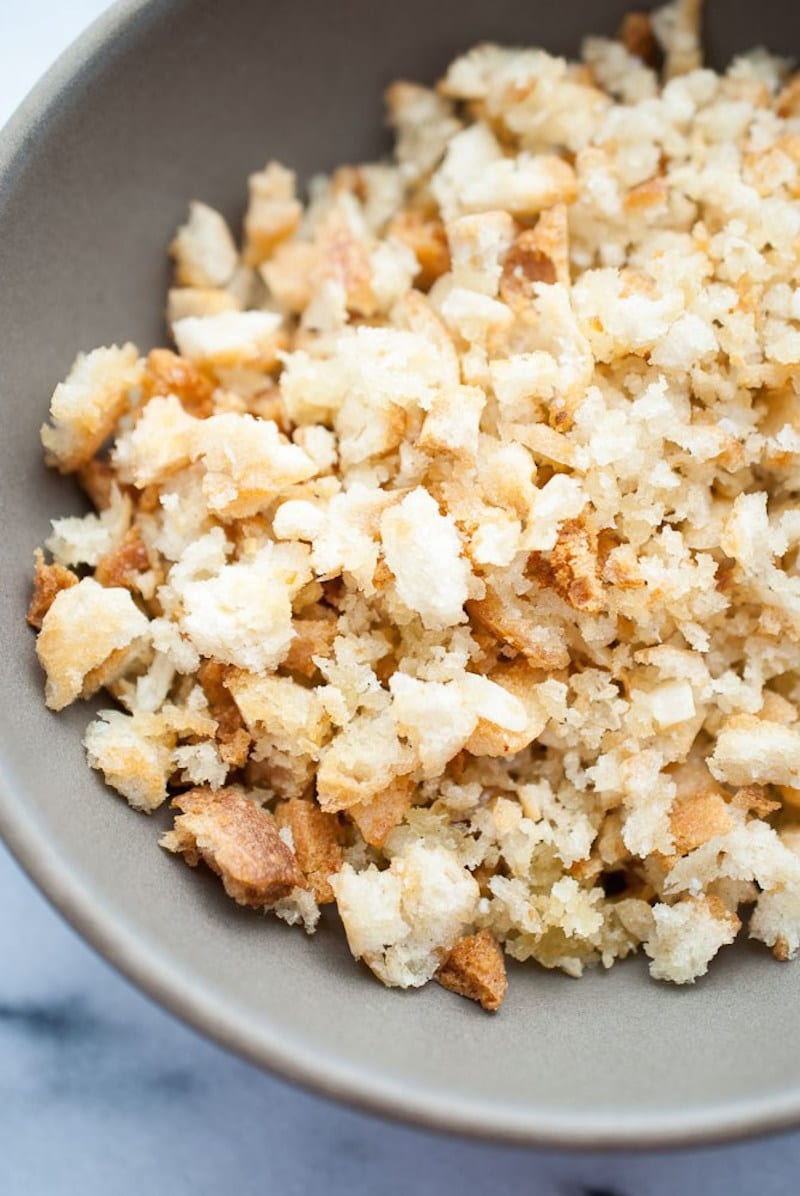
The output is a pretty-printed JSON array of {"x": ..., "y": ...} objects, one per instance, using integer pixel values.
[
  {"x": 475, "y": 968},
  {"x": 168, "y": 374},
  {"x": 239, "y": 841},
  {"x": 636, "y": 35},
  {"x": 457, "y": 528},
  {"x": 98, "y": 479},
  {"x": 427, "y": 240},
  {"x": 48, "y": 580},
  {"x": 231, "y": 734},
  {"x": 85, "y": 407},
  {"x": 318, "y": 843},
  {"x": 383, "y": 812},
  {"x": 312, "y": 638},
  {"x": 124, "y": 564}
]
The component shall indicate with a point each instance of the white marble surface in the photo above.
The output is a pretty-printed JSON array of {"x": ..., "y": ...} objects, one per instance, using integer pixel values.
[{"x": 103, "y": 1093}]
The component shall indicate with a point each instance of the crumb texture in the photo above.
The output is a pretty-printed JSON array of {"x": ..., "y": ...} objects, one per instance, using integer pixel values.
[{"x": 445, "y": 567}]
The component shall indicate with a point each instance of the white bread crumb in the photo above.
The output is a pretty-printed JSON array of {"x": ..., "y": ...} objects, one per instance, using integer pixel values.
[
  {"x": 204, "y": 250},
  {"x": 423, "y": 551},
  {"x": 86, "y": 406},
  {"x": 82, "y": 629}
]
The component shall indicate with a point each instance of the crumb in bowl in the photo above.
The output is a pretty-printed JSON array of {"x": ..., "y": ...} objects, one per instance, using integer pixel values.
[{"x": 445, "y": 569}]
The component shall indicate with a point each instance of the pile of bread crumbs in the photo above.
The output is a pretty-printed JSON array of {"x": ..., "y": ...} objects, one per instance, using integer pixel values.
[{"x": 448, "y": 571}]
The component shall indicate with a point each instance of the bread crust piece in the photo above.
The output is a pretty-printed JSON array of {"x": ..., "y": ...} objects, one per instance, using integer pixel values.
[
  {"x": 318, "y": 839},
  {"x": 48, "y": 580},
  {"x": 475, "y": 968},
  {"x": 232, "y": 735},
  {"x": 239, "y": 841}
]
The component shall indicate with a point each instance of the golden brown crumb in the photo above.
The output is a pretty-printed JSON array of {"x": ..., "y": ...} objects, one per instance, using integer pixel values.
[
  {"x": 571, "y": 569},
  {"x": 48, "y": 580},
  {"x": 788, "y": 100},
  {"x": 753, "y": 799},
  {"x": 167, "y": 373},
  {"x": 97, "y": 478},
  {"x": 587, "y": 871},
  {"x": 700, "y": 808},
  {"x": 636, "y": 35},
  {"x": 317, "y": 839},
  {"x": 475, "y": 968},
  {"x": 125, "y": 563},
  {"x": 268, "y": 404},
  {"x": 524, "y": 266},
  {"x": 538, "y": 255},
  {"x": 697, "y": 817},
  {"x": 508, "y": 624},
  {"x": 231, "y": 734},
  {"x": 313, "y": 637},
  {"x": 720, "y": 911},
  {"x": 781, "y": 949},
  {"x": 650, "y": 194},
  {"x": 386, "y": 810},
  {"x": 427, "y": 240},
  {"x": 236, "y": 839}
]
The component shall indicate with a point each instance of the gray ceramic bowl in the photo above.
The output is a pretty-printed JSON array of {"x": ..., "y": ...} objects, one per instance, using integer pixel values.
[{"x": 160, "y": 101}]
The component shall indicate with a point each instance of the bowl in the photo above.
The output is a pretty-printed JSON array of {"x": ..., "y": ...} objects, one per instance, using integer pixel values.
[{"x": 159, "y": 102}]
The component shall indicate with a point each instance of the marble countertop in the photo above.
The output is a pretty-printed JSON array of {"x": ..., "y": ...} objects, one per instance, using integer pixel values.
[{"x": 103, "y": 1092}]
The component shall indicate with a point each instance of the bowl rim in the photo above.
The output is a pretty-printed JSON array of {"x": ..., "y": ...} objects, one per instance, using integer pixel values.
[{"x": 162, "y": 979}]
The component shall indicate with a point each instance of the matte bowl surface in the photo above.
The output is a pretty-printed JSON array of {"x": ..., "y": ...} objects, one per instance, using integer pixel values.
[{"x": 166, "y": 100}]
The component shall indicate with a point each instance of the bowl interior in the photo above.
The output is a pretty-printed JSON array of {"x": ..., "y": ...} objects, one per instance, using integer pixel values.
[{"x": 173, "y": 99}]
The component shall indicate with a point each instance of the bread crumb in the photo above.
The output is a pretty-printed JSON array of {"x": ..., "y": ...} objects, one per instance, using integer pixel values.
[
  {"x": 48, "y": 581},
  {"x": 168, "y": 374},
  {"x": 686, "y": 938},
  {"x": 449, "y": 556},
  {"x": 204, "y": 250},
  {"x": 84, "y": 625},
  {"x": 86, "y": 406},
  {"x": 317, "y": 840},
  {"x": 236, "y": 839},
  {"x": 636, "y": 34},
  {"x": 423, "y": 551},
  {"x": 475, "y": 969},
  {"x": 125, "y": 564},
  {"x": 134, "y": 763},
  {"x": 751, "y": 750},
  {"x": 231, "y": 734},
  {"x": 378, "y": 816}
]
